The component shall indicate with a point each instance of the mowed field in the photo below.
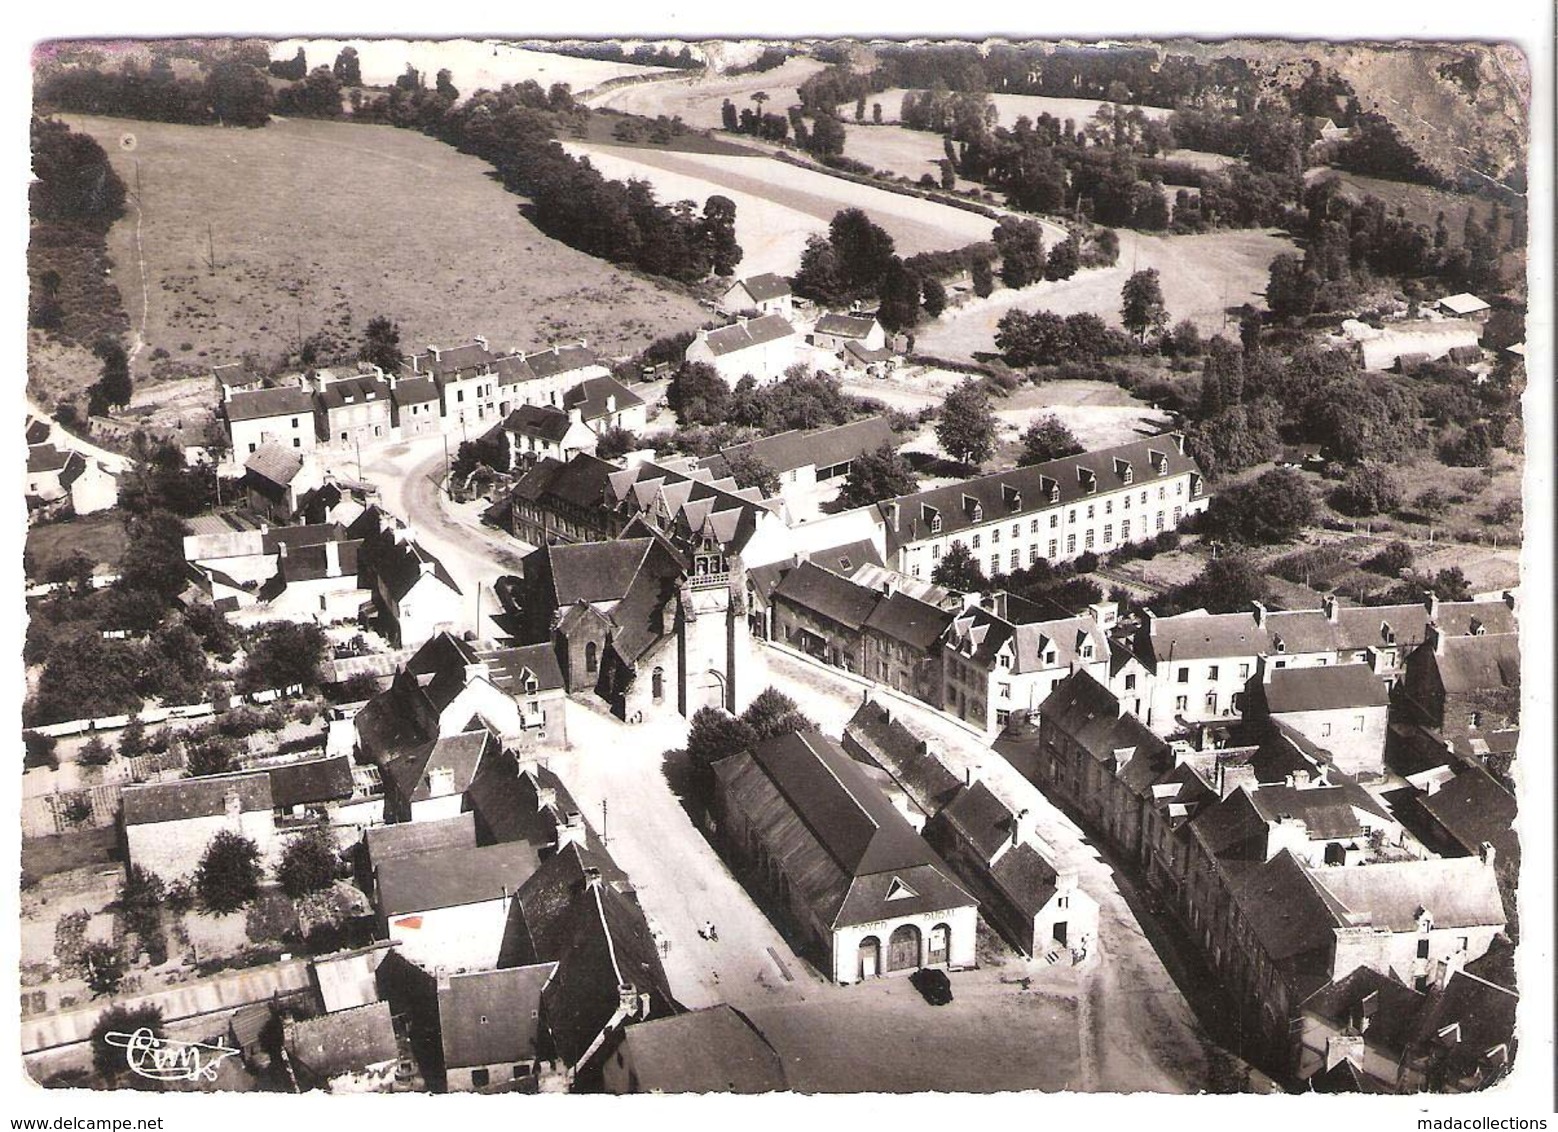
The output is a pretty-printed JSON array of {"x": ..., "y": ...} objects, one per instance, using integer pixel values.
[
  {"x": 473, "y": 65},
  {"x": 697, "y": 100},
  {"x": 778, "y": 206},
  {"x": 320, "y": 226},
  {"x": 1201, "y": 277},
  {"x": 1008, "y": 107},
  {"x": 896, "y": 149}
]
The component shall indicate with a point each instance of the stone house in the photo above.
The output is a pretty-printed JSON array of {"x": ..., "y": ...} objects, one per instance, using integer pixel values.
[
  {"x": 556, "y": 502},
  {"x": 275, "y": 479},
  {"x": 427, "y": 781},
  {"x": 1457, "y": 685},
  {"x": 447, "y": 908},
  {"x": 713, "y": 1050},
  {"x": 415, "y": 407},
  {"x": 823, "y": 615},
  {"x": 762, "y": 347},
  {"x": 353, "y": 410},
  {"x": 346, "y": 1051},
  {"x": 840, "y": 860},
  {"x": 758, "y": 294},
  {"x": 808, "y": 461},
  {"x": 412, "y": 592},
  {"x": 282, "y": 416},
  {"x": 834, "y": 332},
  {"x": 489, "y": 1027},
  {"x": 536, "y": 432},
  {"x": 167, "y": 826},
  {"x": 1343, "y": 708}
]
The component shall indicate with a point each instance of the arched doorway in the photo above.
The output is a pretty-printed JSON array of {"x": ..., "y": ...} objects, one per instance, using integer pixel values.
[
  {"x": 710, "y": 692},
  {"x": 903, "y": 948},
  {"x": 870, "y": 957},
  {"x": 940, "y": 942}
]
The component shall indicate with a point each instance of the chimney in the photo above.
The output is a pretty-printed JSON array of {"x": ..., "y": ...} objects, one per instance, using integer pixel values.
[
  {"x": 1259, "y": 609},
  {"x": 1179, "y": 442},
  {"x": 442, "y": 975},
  {"x": 1431, "y": 603},
  {"x": 1509, "y": 599},
  {"x": 889, "y": 587},
  {"x": 477, "y": 671},
  {"x": 1332, "y": 608},
  {"x": 281, "y": 550},
  {"x": 703, "y": 335},
  {"x": 611, "y": 402},
  {"x": 576, "y": 416},
  {"x": 545, "y": 796},
  {"x": 1487, "y": 853},
  {"x": 591, "y": 877},
  {"x": 627, "y": 1000},
  {"x": 332, "y": 559},
  {"x": 232, "y": 805},
  {"x": 1264, "y": 669},
  {"x": 481, "y": 341},
  {"x": 554, "y": 349},
  {"x": 1024, "y": 827},
  {"x": 971, "y": 774},
  {"x": 432, "y": 349},
  {"x": 1231, "y": 776},
  {"x": 1434, "y": 639},
  {"x": 571, "y": 832},
  {"x": 741, "y": 320}
]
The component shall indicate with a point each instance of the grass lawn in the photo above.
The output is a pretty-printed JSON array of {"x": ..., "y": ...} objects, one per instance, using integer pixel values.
[
  {"x": 45, "y": 856},
  {"x": 316, "y": 227},
  {"x": 100, "y": 537}
]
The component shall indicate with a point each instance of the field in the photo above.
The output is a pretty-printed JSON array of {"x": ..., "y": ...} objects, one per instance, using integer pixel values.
[
  {"x": 1202, "y": 276},
  {"x": 1199, "y": 158},
  {"x": 350, "y": 221},
  {"x": 778, "y": 206},
  {"x": 473, "y": 65},
  {"x": 895, "y": 149},
  {"x": 1008, "y": 108},
  {"x": 100, "y": 537},
  {"x": 697, "y": 99},
  {"x": 1423, "y": 203}
]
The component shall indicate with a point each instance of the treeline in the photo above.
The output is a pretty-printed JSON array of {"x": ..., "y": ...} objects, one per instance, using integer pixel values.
[
  {"x": 645, "y": 54},
  {"x": 234, "y": 92},
  {"x": 771, "y": 57}
]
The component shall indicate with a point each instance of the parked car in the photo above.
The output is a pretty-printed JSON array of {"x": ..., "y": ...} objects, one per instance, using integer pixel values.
[{"x": 933, "y": 985}]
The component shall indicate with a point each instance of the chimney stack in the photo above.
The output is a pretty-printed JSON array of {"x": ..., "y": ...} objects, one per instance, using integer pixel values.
[
  {"x": 1332, "y": 608},
  {"x": 332, "y": 559},
  {"x": 481, "y": 341},
  {"x": 591, "y": 878},
  {"x": 1433, "y": 637},
  {"x": 971, "y": 774},
  {"x": 627, "y": 999},
  {"x": 1509, "y": 599},
  {"x": 1259, "y": 609},
  {"x": 1488, "y": 854},
  {"x": 232, "y": 805},
  {"x": 1431, "y": 603}
]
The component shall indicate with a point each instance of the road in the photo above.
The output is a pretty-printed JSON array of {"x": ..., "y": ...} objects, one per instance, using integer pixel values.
[{"x": 114, "y": 461}]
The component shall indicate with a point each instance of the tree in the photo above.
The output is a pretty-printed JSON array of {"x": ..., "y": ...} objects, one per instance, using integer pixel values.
[
  {"x": 348, "y": 69},
  {"x": 95, "y": 752},
  {"x": 965, "y": 428},
  {"x": 1290, "y": 291},
  {"x": 114, "y": 385},
  {"x": 228, "y": 876},
  {"x": 697, "y": 394},
  {"x": 294, "y": 68},
  {"x": 1037, "y": 339},
  {"x": 1021, "y": 247},
  {"x": 728, "y": 117},
  {"x": 1472, "y": 448},
  {"x": 827, "y": 136},
  {"x": 1395, "y": 557},
  {"x": 74, "y": 184},
  {"x": 1368, "y": 490},
  {"x": 615, "y": 443},
  {"x": 287, "y": 653},
  {"x": 1273, "y": 508},
  {"x": 1047, "y": 439},
  {"x": 210, "y": 754},
  {"x": 104, "y": 967},
  {"x": 381, "y": 344},
  {"x": 1142, "y": 309},
  {"x": 1226, "y": 585},
  {"x": 309, "y": 863},
  {"x": 899, "y": 292},
  {"x": 772, "y": 713},
  {"x": 713, "y": 735},
  {"x": 876, "y": 113},
  {"x": 719, "y": 234},
  {"x": 1064, "y": 259},
  {"x": 934, "y": 296},
  {"x": 983, "y": 278},
  {"x": 132, "y": 740},
  {"x": 863, "y": 251},
  {"x": 38, "y": 749},
  {"x": 957, "y": 570},
  {"x": 110, "y": 1059},
  {"x": 443, "y": 84},
  {"x": 749, "y": 470},
  {"x": 238, "y": 93},
  {"x": 877, "y": 476}
]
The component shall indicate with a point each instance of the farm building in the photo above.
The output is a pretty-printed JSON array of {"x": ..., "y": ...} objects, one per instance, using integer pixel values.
[
  {"x": 835, "y": 332},
  {"x": 1464, "y": 306},
  {"x": 766, "y": 294},
  {"x": 1407, "y": 343},
  {"x": 763, "y": 347}
]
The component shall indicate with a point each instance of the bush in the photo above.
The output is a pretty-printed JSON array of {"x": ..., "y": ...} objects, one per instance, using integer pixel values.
[
  {"x": 309, "y": 864},
  {"x": 1087, "y": 561},
  {"x": 95, "y": 752},
  {"x": 38, "y": 750},
  {"x": 108, "y": 1059},
  {"x": 1368, "y": 490},
  {"x": 228, "y": 876},
  {"x": 104, "y": 967},
  {"x": 1390, "y": 561},
  {"x": 1166, "y": 541}
]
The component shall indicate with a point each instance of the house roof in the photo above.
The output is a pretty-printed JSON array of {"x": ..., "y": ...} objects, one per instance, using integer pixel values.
[
  {"x": 861, "y": 563},
  {"x": 690, "y": 505},
  {"x": 590, "y": 396},
  {"x": 541, "y": 421},
  {"x": 492, "y": 1017},
  {"x": 1458, "y": 892},
  {"x": 358, "y": 390},
  {"x": 414, "y": 839},
  {"x": 1027, "y": 879},
  {"x": 510, "y": 804},
  {"x": 233, "y": 373},
  {"x": 411, "y": 768},
  {"x": 1344, "y": 1077},
  {"x": 273, "y": 462},
  {"x": 455, "y": 359},
  {"x": 860, "y": 353},
  {"x": 849, "y": 852},
  {"x": 1324, "y": 688},
  {"x": 401, "y": 563},
  {"x": 310, "y": 781},
  {"x": 1289, "y": 913},
  {"x": 512, "y": 668},
  {"x": 594, "y": 571},
  {"x": 414, "y": 391},
  {"x": 561, "y": 359},
  {"x": 1474, "y": 664},
  {"x": 823, "y": 592},
  {"x": 37, "y": 431},
  {"x": 874, "y": 737},
  {"x": 311, "y": 563},
  {"x": 343, "y": 1041},
  {"x": 765, "y": 286},
  {"x": 184, "y": 798},
  {"x": 714, "y": 1050},
  {"x": 259, "y": 404},
  {"x": 581, "y": 482},
  {"x": 449, "y": 877},
  {"x": 1482, "y": 1013},
  {"x": 1473, "y": 808},
  {"x": 1392, "y": 1011},
  {"x": 906, "y": 619},
  {"x": 819, "y": 447},
  {"x": 981, "y": 818},
  {"x": 746, "y": 334},
  {"x": 1463, "y": 304},
  {"x": 46, "y": 458},
  {"x": 1084, "y": 709},
  {"x": 846, "y": 325}
]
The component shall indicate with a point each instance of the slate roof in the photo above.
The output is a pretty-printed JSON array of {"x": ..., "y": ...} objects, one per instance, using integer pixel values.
[
  {"x": 1473, "y": 808},
  {"x": 846, "y": 325},
  {"x": 594, "y": 571},
  {"x": 1343, "y": 1078},
  {"x": 561, "y": 359},
  {"x": 492, "y": 1017},
  {"x": 413, "y": 839},
  {"x": 699, "y": 505},
  {"x": 449, "y": 877},
  {"x": 1026, "y": 878},
  {"x": 1087, "y": 711},
  {"x": 589, "y": 397},
  {"x": 823, "y": 592},
  {"x": 1324, "y": 688},
  {"x": 845, "y": 846},
  {"x": 311, "y": 563},
  {"x": 512, "y": 369},
  {"x": 1291, "y": 915},
  {"x": 1474, "y": 664},
  {"x": 509, "y": 667},
  {"x": 37, "y": 431},
  {"x": 1392, "y": 1013},
  {"x": 909, "y": 620},
  {"x": 509, "y": 805},
  {"x": 1458, "y": 891},
  {"x": 343, "y": 1041},
  {"x": 359, "y": 390},
  {"x": 414, "y": 391},
  {"x": 398, "y": 563},
  {"x": 154, "y": 802},
  {"x": 1032, "y": 486},
  {"x": 581, "y": 482},
  {"x": 541, "y": 421},
  {"x": 597, "y": 935},
  {"x": 471, "y": 356},
  {"x": 766, "y": 286},
  {"x": 410, "y": 769},
  {"x": 740, "y": 336},
  {"x": 46, "y": 458},
  {"x": 259, "y": 404},
  {"x": 820, "y": 447},
  {"x": 273, "y": 462},
  {"x": 714, "y": 1050},
  {"x": 1483, "y": 1012},
  {"x": 981, "y": 818},
  {"x": 310, "y": 781},
  {"x": 232, "y": 373},
  {"x": 873, "y": 736}
]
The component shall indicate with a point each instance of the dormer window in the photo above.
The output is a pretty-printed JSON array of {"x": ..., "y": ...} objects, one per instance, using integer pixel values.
[
  {"x": 1087, "y": 479},
  {"x": 1122, "y": 468},
  {"x": 973, "y": 508},
  {"x": 932, "y": 519},
  {"x": 1087, "y": 652},
  {"x": 1011, "y": 497},
  {"x": 1278, "y": 643},
  {"x": 1159, "y": 461}
]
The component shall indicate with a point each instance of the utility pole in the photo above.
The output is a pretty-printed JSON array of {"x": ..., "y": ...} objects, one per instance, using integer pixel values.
[
  {"x": 448, "y": 475},
  {"x": 210, "y": 239},
  {"x": 603, "y": 837},
  {"x": 359, "y": 459}
]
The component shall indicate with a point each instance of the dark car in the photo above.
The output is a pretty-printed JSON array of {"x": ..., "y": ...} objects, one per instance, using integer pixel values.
[{"x": 933, "y": 984}]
